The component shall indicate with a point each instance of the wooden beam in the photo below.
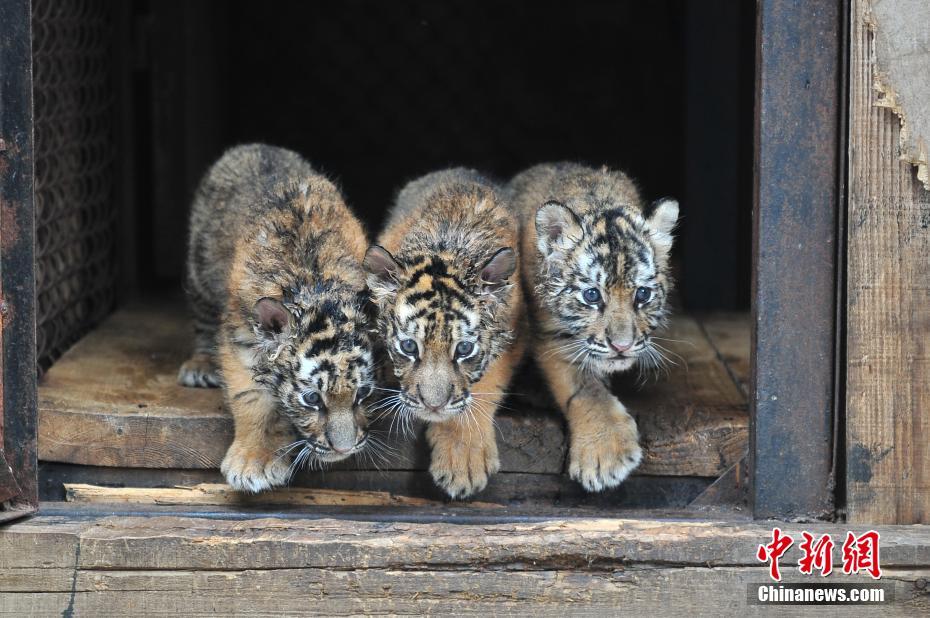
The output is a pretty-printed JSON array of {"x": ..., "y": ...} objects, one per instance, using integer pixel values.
[
  {"x": 120, "y": 564},
  {"x": 217, "y": 494},
  {"x": 888, "y": 288},
  {"x": 130, "y": 542},
  {"x": 17, "y": 253},
  {"x": 798, "y": 141},
  {"x": 358, "y": 592}
]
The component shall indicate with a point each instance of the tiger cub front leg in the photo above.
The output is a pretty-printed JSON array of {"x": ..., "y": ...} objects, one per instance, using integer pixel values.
[
  {"x": 256, "y": 459},
  {"x": 464, "y": 449},
  {"x": 604, "y": 441},
  {"x": 464, "y": 454},
  {"x": 200, "y": 370}
]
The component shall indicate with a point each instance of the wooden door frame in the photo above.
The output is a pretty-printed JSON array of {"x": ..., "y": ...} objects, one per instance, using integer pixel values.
[
  {"x": 798, "y": 248},
  {"x": 797, "y": 257},
  {"x": 19, "y": 484}
]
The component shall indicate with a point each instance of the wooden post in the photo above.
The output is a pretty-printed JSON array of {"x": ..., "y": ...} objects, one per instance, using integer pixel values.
[
  {"x": 798, "y": 145},
  {"x": 17, "y": 266},
  {"x": 888, "y": 287}
]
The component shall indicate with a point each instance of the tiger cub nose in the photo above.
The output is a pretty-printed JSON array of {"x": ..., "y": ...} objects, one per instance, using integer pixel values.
[
  {"x": 620, "y": 346},
  {"x": 433, "y": 399}
]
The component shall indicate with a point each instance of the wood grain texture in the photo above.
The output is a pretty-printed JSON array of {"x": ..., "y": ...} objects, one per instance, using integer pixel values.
[
  {"x": 888, "y": 289},
  {"x": 729, "y": 334},
  {"x": 112, "y": 400},
  {"x": 364, "y": 592},
  {"x": 217, "y": 494},
  {"x": 129, "y": 565}
]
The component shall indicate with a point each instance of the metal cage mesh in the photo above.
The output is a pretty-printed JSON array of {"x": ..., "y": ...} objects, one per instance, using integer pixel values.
[{"x": 74, "y": 160}]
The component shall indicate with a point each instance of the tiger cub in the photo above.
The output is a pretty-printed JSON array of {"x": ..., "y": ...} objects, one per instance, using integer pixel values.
[
  {"x": 444, "y": 279},
  {"x": 277, "y": 290},
  {"x": 595, "y": 271}
]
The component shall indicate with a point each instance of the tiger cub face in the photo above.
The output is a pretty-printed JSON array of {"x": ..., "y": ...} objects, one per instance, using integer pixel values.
[
  {"x": 603, "y": 280},
  {"x": 437, "y": 319},
  {"x": 316, "y": 359}
]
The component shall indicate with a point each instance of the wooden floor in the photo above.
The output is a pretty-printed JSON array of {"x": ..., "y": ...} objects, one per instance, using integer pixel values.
[
  {"x": 112, "y": 407},
  {"x": 64, "y": 565}
]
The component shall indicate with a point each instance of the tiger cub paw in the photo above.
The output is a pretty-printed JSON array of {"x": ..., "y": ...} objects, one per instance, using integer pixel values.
[
  {"x": 199, "y": 371},
  {"x": 253, "y": 469},
  {"x": 603, "y": 459},
  {"x": 462, "y": 470}
]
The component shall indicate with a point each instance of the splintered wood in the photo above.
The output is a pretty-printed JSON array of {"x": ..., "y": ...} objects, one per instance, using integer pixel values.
[{"x": 113, "y": 400}]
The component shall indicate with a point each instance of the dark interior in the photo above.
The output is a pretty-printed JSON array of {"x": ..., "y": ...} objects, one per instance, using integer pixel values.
[{"x": 377, "y": 93}]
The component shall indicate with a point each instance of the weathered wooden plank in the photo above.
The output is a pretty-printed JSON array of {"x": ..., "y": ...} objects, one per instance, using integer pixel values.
[
  {"x": 531, "y": 493},
  {"x": 189, "y": 543},
  {"x": 375, "y": 591},
  {"x": 888, "y": 290},
  {"x": 730, "y": 334},
  {"x": 134, "y": 565},
  {"x": 216, "y": 494},
  {"x": 112, "y": 400}
]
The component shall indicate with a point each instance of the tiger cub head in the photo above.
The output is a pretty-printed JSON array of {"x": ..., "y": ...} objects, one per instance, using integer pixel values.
[
  {"x": 315, "y": 356},
  {"x": 604, "y": 280},
  {"x": 443, "y": 318}
]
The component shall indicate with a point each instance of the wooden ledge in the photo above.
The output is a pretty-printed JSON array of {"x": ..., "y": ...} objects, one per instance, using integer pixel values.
[
  {"x": 112, "y": 400},
  {"x": 119, "y": 541},
  {"x": 130, "y": 565}
]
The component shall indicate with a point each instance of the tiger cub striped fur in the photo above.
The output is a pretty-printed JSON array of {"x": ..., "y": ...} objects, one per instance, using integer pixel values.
[
  {"x": 277, "y": 289},
  {"x": 595, "y": 270},
  {"x": 444, "y": 278}
]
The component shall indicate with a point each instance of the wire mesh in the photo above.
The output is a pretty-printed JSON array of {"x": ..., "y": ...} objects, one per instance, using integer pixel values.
[{"x": 74, "y": 159}]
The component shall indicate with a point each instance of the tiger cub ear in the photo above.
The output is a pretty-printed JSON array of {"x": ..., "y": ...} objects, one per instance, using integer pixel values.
[
  {"x": 382, "y": 270},
  {"x": 558, "y": 228},
  {"x": 272, "y": 317},
  {"x": 661, "y": 223},
  {"x": 497, "y": 270}
]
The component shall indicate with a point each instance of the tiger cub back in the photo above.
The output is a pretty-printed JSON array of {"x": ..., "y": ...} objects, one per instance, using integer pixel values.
[{"x": 444, "y": 277}]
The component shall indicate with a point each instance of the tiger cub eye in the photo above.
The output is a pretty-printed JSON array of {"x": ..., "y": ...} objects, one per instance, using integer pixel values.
[
  {"x": 311, "y": 399},
  {"x": 464, "y": 348},
  {"x": 592, "y": 296},
  {"x": 643, "y": 295},
  {"x": 409, "y": 346}
]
